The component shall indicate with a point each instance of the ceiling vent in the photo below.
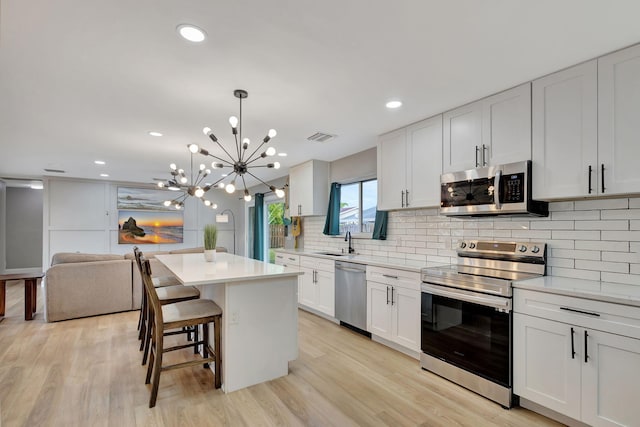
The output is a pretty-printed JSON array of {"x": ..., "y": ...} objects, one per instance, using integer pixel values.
[
  {"x": 55, "y": 171},
  {"x": 320, "y": 137}
]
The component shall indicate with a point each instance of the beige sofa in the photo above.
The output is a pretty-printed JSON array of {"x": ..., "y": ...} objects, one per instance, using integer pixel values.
[{"x": 81, "y": 285}]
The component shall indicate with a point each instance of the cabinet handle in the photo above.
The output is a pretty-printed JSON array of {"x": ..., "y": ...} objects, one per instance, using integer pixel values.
[
  {"x": 392, "y": 295},
  {"x": 484, "y": 159},
  {"x": 387, "y": 295},
  {"x": 586, "y": 355},
  {"x": 292, "y": 259},
  {"x": 477, "y": 150},
  {"x": 299, "y": 210},
  {"x": 390, "y": 276},
  {"x": 573, "y": 349},
  {"x": 590, "y": 171},
  {"x": 402, "y": 198},
  {"x": 602, "y": 176},
  {"x": 406, "y": 196},
  {"x": 580, "y": 311}
]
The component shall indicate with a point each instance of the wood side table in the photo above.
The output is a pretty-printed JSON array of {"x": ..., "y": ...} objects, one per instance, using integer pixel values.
[{"x": 30, "y": 292}]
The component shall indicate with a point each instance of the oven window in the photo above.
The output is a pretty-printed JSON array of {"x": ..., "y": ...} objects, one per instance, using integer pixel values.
[
  {"x": 467, "y": 193},
  {"x": 471, "y": 336}
]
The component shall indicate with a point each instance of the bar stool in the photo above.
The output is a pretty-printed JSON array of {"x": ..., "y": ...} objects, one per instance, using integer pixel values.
[
  {"x": 177, "y": 315},
  {"x": 166, "y": 295}
]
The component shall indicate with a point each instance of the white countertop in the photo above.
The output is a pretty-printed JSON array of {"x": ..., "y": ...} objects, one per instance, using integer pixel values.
[
  {"x": 618, "y": 293},
  {"x": 397, "y": 263},
  {"x": 192, "y": 269}
]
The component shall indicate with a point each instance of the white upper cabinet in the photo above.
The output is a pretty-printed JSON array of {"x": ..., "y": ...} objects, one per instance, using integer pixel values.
[
  {"x": 619, "y": 122},
  {"x": 409, "y": 166},
  {"x": 565, "y": 140},
  {"x": 462, "y": 142},
  {"x": 309, "y": 188},
  {"x": 494, "y": 130}
]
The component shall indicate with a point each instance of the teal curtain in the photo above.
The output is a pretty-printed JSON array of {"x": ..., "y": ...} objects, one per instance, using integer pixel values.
[
  {"x": 380, "y": 226},
  {"x": 258, "y": 228},
  {"x": 332, "y": 223}
]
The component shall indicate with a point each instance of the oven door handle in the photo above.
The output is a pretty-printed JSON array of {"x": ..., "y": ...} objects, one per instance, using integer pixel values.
[
  {"x": 502, "y": 304},
  {"x": 496, "y": 189}
]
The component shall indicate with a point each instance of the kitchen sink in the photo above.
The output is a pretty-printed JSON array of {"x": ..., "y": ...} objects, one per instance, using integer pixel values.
[{"x": 332, "y": 253}]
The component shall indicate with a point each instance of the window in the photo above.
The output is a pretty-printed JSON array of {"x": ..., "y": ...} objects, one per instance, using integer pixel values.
[{"x": 358, "y": 203}]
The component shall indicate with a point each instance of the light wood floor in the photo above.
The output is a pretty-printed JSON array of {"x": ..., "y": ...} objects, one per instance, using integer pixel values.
[{"x": 87, "y": 372}]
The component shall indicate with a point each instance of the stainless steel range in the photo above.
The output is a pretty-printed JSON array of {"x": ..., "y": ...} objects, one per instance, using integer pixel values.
[{"x": 466, "y": 318}]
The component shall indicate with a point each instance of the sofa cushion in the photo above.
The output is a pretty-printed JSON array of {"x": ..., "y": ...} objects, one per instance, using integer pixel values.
[{"x": 69, "y": 257}]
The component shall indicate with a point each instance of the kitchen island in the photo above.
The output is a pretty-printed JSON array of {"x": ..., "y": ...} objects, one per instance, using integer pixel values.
[{"x": 260, "y": 313}]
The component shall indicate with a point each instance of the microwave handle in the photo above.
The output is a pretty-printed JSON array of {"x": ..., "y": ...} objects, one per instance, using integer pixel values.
[{"x": 496, "y": 189}]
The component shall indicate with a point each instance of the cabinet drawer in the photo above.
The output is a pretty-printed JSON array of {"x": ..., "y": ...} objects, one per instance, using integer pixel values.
[
  {"x": 320, "y": 264},
  {"x": 604, "y": 316},
  {"x": 288, "y": 259},
  {"x": 390, "y": 276}
]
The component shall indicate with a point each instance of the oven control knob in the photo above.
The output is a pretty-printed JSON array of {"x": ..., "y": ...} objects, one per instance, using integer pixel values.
[
  {"x": 463, "y": 244},
  {"x": 472, "y": 245},
  {"x": 522, "y": 248},
  {"x": 535, "y": 249}
]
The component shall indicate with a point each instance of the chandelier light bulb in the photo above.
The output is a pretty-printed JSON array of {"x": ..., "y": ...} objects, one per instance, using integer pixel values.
[
  {"x": 214, "y": 206},
  {"x": 276, "y": 165},
  {"x": 233, "y": 121},
  {"x": 231, "y": 187},
  {"x": 167, "y": 203},
  {"x": 247, "y": 196},
  {"x": 173, "y": 166},
  {"x": 245, "y": 143},
  {"x": 207, "y": 203},
  {"x": 194, "y": 148},
  {"x": 217, "y": 165},
  {"x": 272, "y": 133},
  {"x": 279, "y": 193},
  {"x": 199, "y": 192},
  {"x": 206, "y": 130},
  {"x": 221, "y": 185},
  {"x": 161, "y": 184},
  {"x": 183, "y": 180},
  {"x": 270, "y": 151}
]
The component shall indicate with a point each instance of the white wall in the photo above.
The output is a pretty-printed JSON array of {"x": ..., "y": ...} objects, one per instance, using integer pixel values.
[
  {"x": 82, "y": 216},
  {"x": 357, "y": 167},
  {"x": 590, "y": 239}
]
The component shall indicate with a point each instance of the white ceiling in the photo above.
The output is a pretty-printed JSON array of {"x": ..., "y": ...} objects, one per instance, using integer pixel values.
[{"x": 84, "y": 80}]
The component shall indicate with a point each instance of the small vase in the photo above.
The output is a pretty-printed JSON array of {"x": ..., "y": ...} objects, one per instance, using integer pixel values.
[{"x": 210, "y": 255}]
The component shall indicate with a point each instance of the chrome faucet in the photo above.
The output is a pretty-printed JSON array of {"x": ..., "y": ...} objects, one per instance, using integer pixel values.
[{"x": 347, "y": 238}]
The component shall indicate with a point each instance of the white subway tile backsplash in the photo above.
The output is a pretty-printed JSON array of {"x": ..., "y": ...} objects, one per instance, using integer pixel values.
[
  {"x": 575, "y": 215},
  {"x": 586, "y": 239},
  {"x": 633, "y": 236},
  {"x": 574, "y": 254},
  {"x": 585, "y": 205},
  {"x": 602, "y": 225},
  {"x": 629, "y": 279},
  {"x": 575, "y": 235},
  {"x": 597, "y": 245},
  {"x": 621, "y": 214},
  {"x": 573, "y": 273},
  {"x": 614, "y": 267}
]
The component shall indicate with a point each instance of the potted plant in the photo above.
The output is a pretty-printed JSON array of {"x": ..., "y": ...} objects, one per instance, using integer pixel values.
[{"x": 210, "y": 240}]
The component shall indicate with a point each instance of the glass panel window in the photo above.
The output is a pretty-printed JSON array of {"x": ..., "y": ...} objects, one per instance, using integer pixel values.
[{"x": 358, "y": 203}]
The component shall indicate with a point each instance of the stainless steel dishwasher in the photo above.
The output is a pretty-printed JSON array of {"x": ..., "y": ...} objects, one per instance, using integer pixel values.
[{"x": 351, "y": 295}]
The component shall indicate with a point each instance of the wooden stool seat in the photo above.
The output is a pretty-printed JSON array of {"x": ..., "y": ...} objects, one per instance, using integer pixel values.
[
  {"x": 171, "y": 294},
  {"x": 201, "y": 311},
  {"x": 162, "y": 281}
]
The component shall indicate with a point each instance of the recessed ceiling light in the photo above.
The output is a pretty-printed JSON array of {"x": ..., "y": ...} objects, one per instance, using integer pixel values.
[
  {"x": 154, "y": 133},
  {"x": 394, "y": 104},
  {"x": 99, "y": 162},
  {"x": 282, "y": 154},
  {"x": 104, "y": 175},
  {"x": 191, "y": 33}
]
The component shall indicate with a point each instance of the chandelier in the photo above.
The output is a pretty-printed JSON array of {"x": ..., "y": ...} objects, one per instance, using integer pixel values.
[{"x": 236, "y": 159}]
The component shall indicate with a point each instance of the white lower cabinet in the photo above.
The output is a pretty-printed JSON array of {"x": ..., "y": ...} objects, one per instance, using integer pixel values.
[
  {"x": 317, "y": 284},
  {"x": 393, "y": 306},
  {"x": 291, "y": 261},
  {"x": 573, "y": 364}
]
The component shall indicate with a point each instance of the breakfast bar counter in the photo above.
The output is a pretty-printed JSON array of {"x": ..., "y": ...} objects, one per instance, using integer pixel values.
[{"x": 260, "y": 313}]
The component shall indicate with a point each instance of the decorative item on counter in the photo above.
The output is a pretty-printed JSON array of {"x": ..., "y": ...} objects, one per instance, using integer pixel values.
[
  {"x": 296, "y": 228},
  {"x": 210, "y": 240}
]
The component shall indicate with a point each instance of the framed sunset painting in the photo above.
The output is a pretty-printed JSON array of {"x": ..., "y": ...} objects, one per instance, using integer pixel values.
[{"x": 150, "y": 227}]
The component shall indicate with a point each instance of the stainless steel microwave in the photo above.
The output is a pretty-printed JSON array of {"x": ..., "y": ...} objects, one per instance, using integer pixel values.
[{"x": 492, "y": 190}]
